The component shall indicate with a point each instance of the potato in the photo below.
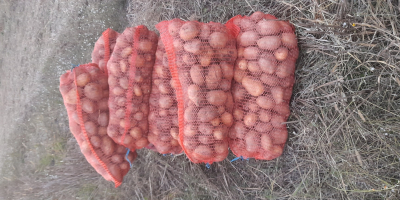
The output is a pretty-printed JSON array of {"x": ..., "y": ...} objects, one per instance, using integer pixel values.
[
  {"x": 108, "y": 146},
  {"x": 289, "y": 40},
  {"x": 225, "y": 85},
  {"x": 82, "y": 79},
  {"x": 278, "y": 121},
  {"x": 251, "y": 53},
  {"x": 174, "y": 27},
  {"x": 102, "y": 131},
  {"x": 117, "y": 158},
  {"x": 91, "y": 128},
  {"x": 71, "y": 97},
  {"x": 95, "y": 141},
  {"x": 165, "y": 101},
  {"x": 93, "y": 91},
  {"x": 252, "y": 86},
  {"x": 216, "y": 97},
  {"x": 238, "y": 114},
  {"x": 257, "y": 16},
  {"x": 266, "y": 142},
  {"x": 115, "y": 172},
  {"x": 250, "y": 119},
  {"x": 189, "y": 59},
  {"x": 127, "y": 140},
  {"x": 264, "y": 115},
  {"x": 277, "y": 93},
  {"x": 145, "y": 45},
  {"x": 252, "y": 140},
  {"x": 206, "y": 56},
  {"x": 268, "y": 27},
  {"x": 190, "y": 130},
  {"x": 269, "y": 42},
  {"x": 218, "y": 40},
  {"x": 279, "y": 136},
  {"x": 227, "y": 70},
  {"x": 239, "y": 74},
  {"x": 247, "y": 38},
  {"x": 190, "y": 114},
  {"x": 251, "y": 106},
  {"x": 213, "y": 77},
  {"x": 85, "y": 148},
  {"x": 287, "y": 94},
  {"x": 193, "y": 46},
  {"x": 253, "y": 67},
  {"x": 137, "y": 90},
  {"x": 221, "y": 148},
  {"x": 215, "y": 121},
  {"x": 118, "y": 91},
  {"x": 247, "y": 24},
  {"x": 220, "y": 132},
  {"x": 141, "y": 143},
  {"x": 267, "y": 64},
  {"x": 197, "y": 75},
  {"x": 103, "y": 119},
  {"x": 120, "y": 113},
  {"x": 178, "y": 45},
  {"x": 124, "y": 82},
  {"x": 174, "y": 133},
  {"x": 194, "y": 94},
  {"x": 286, "y": 68},
  {"x": 227, "y": 119},
  {"x": 204, "y": 31},
  {"x": 126, "y": 52},
  {"x": 207, "y": 113},
  {"x": 189, "y": 30},
  {"x": 263, "y": 127},
  {"x": 282, "y": 109},
  {"x": 202, "y": 153},
  {"x": 265, "y": 102},
  {"x": 138, "y": 116},
  {"x": 281, "y": 54},
  {"x": 270, "y": 80},
  {"x": 242, "y": 64},
  {"x": 89, "y": 106}
]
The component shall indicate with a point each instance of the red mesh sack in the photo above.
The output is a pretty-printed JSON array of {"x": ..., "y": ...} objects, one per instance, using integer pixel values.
[
  {"x": 163, "y": 114},
  {"x": 262, "y": 86},
  {"x": 85, "y": 95},
  {"x": 129, "y": 78},
  {"x": 200, "y": 58},
  {"x": 104, "y": 47}
]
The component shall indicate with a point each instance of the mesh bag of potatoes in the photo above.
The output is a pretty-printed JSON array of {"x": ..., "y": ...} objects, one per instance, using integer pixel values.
[
  {"x": 85, "y": 93},
  {"x": 129, "y": 78},
  {"x": 163, "y": 114},
  {"x": 262, "y": 86},
  {"x": 104, "y": 47},
  {"x": 200, "y": 58}
]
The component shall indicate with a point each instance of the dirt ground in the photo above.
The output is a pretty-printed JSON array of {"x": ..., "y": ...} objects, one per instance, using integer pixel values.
[{"x": 344, "y": 140}]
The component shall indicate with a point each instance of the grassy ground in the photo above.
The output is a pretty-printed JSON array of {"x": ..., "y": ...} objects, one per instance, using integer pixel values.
[{"x": 344, "y": 129}]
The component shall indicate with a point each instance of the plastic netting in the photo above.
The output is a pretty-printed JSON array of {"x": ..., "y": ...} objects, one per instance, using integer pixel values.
[
  {"x": 262, "y": 86},
  {"x": 104, "y": 47},
  {"x": 85, "y": 95},
  {"x": 163, "y": 116},
  {"x": 130, "y": 69},
  {"x": 201, "y": 58}
]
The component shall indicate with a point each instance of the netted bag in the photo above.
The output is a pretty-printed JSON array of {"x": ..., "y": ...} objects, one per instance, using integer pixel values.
[
  {"x": 201, "y": 58},
  {"x": 129, "y": 78},
  {"x": 104, "y": 47},
  {"x": 163, "y": 115},
  {"x": 262, "y": 86},
  {"x": 85, "y": 95}
]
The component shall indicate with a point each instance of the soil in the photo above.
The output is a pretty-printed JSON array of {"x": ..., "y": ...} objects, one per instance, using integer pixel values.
[{"x": 39, "y": 41}]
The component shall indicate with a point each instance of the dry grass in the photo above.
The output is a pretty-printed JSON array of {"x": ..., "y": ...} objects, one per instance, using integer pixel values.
[{"x": 344, "y": 140}]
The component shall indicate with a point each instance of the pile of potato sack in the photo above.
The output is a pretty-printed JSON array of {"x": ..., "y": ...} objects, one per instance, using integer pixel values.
[{"x": 198, "y": 88}]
